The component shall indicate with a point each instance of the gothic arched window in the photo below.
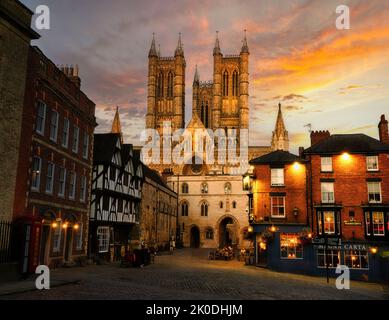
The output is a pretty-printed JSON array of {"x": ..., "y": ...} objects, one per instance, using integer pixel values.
[
  {"x": 185, "y": 188},
  {"x": 160, "y": 85},
  {"x": 235, "y": 83},
  {"x": 204, "y": 113},
  {"x": 225, "y": 83},
  {"x": 184, "y": 209},
  {"x": 170, "y": 85},
  {"x": 204, "y": 209}
]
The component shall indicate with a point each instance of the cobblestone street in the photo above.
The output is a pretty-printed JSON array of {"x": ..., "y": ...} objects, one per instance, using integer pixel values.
[{"x": 189, "y": 275}]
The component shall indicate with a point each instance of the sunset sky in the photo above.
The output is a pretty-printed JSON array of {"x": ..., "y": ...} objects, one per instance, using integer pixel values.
[{"x": 333, "y": 79}]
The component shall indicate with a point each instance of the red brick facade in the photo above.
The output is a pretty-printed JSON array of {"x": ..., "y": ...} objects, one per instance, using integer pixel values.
[{"x": 43, "y": 207}]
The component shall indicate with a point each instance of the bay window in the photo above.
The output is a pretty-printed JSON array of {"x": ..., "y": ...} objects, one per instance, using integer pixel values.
[{"x": 291, "y": 247}]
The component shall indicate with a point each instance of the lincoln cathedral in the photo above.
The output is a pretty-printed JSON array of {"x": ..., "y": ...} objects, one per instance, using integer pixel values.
[{"x": 212, "y": 203}]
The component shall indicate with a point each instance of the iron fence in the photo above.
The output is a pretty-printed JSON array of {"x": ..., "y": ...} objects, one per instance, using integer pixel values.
[{"x": 5, "y": 241}]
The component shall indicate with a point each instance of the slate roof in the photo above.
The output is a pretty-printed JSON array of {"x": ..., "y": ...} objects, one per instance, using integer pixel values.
[
  {"x": 153, "y": 175},
  {"x": 104, "y": 146},
  {"x": 351, "y": 143},
  {"x": 277, "y": 157}
]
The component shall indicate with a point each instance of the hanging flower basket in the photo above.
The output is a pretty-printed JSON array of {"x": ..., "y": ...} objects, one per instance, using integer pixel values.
[
  {"x": 268, "y": 236},
  {"x": 305, "y": 236}
]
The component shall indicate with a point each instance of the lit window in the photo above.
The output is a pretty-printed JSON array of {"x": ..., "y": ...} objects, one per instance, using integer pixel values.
[
  {"x": 374, "y": 192},
  {"x": 375, "y": 221},
  {"x": 372, "y": 163},
  {"x": 103, "y": 239},
  {"x": 333, "y": 258},
  {"x": 50, "y": 177},
  {"x": 36, "y": 173},
  {"x": 327, "y": 192},
  {"x": 356, "y": 259},
  {"x": 328, "y": 223},
  {"x": 326, "y": 164},
  {"x": 277, "y": 207},
  {"x": 40, "y": 118},
  {"x": 54, "y": 126},
  {"x": 277, "y": 177},
  {"x": 291, "y": 247}
]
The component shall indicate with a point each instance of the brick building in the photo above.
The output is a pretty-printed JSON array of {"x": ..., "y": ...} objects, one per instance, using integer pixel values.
[
  {"x": 54, "y": 165},
  {"x": 15, "y": 36},
  {"x": 348, "y": 187},
  {"x": 278, "y": 210}
]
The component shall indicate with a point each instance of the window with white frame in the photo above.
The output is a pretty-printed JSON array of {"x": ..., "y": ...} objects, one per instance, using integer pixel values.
[
  {"x": 277, "y": 206},
  {"x": 375, "y": 223},
  {"x": 76, "y": 135},
  {"x": 326, "y": 164},
  {"x": 54, "y": 126},
  {"x": 291, "y": 246},
  {"x": 50, "y": 177},
  {"x": 277, "y": 177},
  {"x": 65, "y": 133},
  {"x": 333, "y": 258},
  {"x": 327, "y": 192},
  {"x": 72, "y": 187},
  {"x": 40, "y": 118},
  {"x": 78, "y": 237},
  {"x": 374, "y": 192},
  {"x": 57, "y": 234},
  {"x": 36, "y": 173},
  {"x": 83, "y": 189},
  {"x": 85, "y": 145},
  {"x": 62, "y": 181},
  {"x": 328, "y": 222},
  {"x": 356, "y": 259},
  {"x": 372, "y": 163},
  {"x": 103, "y": 239}
]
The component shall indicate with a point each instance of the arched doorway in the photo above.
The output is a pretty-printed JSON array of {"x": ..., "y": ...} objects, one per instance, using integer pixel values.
[
  {"x": 226, "y": 232},
  {"x": 195, "y": 237}
]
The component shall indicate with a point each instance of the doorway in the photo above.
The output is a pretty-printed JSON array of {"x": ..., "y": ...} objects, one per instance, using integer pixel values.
[
  {"x": 226, "y": 232},
  {"x": 68, "y": 247},
  {"x": 43, "y": 244},
  {"x": 194, "y": 237}
]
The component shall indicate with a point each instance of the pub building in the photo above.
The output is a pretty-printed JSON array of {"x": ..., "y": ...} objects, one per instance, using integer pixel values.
[
  {"x": 278, "y": 211},
  {"x": 52, "y": 191},
  {"x": 348, "y": 185},
  {"x": 117, "y": 180}
]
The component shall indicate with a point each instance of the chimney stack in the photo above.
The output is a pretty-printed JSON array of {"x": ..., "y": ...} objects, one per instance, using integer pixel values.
[
  {"x": 318, "y": 136},
  {"x": 383, "y": 130},
  {"x": 72, "y": 73}
]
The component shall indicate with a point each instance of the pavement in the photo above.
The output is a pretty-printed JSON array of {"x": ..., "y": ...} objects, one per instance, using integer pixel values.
[{"x": 187, "y": 275}]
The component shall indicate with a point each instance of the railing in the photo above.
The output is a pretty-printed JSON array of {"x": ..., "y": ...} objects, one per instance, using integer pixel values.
[{"x": 5, "y": 241}]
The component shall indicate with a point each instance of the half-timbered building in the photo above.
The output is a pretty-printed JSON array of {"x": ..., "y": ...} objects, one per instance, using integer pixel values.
[{"x": 117, "y": 180}]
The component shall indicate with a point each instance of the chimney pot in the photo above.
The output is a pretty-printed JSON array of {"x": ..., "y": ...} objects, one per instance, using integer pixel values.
[{"x": 383, "y": 130}]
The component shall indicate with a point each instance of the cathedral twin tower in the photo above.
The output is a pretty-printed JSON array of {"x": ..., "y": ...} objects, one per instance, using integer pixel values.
[{"x": 221, "y": 103}]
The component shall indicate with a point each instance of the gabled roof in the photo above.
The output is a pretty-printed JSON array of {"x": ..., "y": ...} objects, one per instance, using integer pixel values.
[
  {"x": 351, "y": 143},
  {"x": 105, "y": 146},
  {"x": 277, "y": 157}
]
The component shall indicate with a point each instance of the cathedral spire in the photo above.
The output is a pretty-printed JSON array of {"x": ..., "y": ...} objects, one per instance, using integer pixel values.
[
  {"x": 196, "y": 76},
  {"x": 216, "y": 50},
  {"x": 179, "y": 50},
  {"x": 280, "y": 138},
  {"x": 245, "y": 47},
  {"x": 116, "y": 127},
  {"x": 153, "y": 51}
]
